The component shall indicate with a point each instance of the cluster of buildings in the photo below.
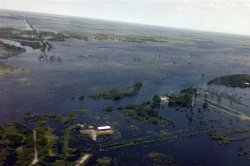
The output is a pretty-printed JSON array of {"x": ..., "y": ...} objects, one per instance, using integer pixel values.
[{"x": 89, "y": 127}]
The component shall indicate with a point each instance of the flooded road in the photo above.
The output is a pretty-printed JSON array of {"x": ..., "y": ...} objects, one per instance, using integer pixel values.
[{"x": 88, "y": 67}]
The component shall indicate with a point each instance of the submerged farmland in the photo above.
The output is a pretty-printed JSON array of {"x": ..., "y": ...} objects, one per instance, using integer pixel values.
[{"x": 164, "y": 96}]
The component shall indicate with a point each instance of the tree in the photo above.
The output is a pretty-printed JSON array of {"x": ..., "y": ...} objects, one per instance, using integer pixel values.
[{"x": 156, "y": 100}]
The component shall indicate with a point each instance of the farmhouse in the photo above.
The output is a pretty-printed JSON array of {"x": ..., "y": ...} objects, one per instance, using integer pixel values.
[
  {"x": 164, "y": 99},
  {"x": 103, "y": 128},
  {"x": 94, "y": 132}
]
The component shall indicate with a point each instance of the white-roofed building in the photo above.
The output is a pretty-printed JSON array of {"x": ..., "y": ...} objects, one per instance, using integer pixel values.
[
  {"x": 164, "y": 99},
  {"x": 101, "y": 128}
]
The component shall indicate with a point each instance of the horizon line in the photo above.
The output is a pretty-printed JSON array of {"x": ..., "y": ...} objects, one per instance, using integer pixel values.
[{"x": 127, "y": 22}]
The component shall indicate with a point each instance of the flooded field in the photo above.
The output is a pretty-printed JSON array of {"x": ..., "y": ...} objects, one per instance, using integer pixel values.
[{"x": 69, "y": 60}]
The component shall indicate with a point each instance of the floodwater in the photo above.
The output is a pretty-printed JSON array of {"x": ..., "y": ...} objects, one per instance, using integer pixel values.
[{"x": 88, "y": 67}]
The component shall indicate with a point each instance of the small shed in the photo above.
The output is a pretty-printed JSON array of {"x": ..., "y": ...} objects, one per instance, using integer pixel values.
[
  {"x": 164, "y": 99},
  {"x": 102, "y": 128}
]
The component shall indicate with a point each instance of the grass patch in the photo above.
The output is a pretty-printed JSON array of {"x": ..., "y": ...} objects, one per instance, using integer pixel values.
[
  {"x": 103, "y": 161},
  {"x": 145, "y": 114},
  {"x": 117, "y": 94},
  {"x": 59, "y": 163},
  {"x": 11, "y": 50},
  {"x": 18, "y": 139},
  {"x": 23, "y": 81},
  {"x": 183, "y": 99},
  {"x": 221, "y": 136},
  {"x": 237, "y": 80},
  {"x": 51, "y": 140},
  {"x": 66, "y": 150},
  {"x": 7, "y": 69}
]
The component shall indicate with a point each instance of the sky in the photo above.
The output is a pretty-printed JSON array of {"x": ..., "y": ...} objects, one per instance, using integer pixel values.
[{"x": 226, "y": 16}]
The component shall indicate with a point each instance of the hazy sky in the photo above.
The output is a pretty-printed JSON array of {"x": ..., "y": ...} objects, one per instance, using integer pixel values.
[{"x": 230, "y": 16}]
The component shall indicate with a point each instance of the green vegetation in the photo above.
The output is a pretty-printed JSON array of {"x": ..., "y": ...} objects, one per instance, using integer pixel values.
[
  {"x": 17, "y": 34},
  {"x": 183, "y": 99},
  {"x": 57, "y": 36},
  {"x": 44, "y": 143},
  {"x": 127, "y": 143},
  {"x": 137, "y": 87},
  {"x": 237, "y": 80},
  {"x": 165, "y": 133},
  {"x": 145, "y": 114},
  {"x": 26, "y": 37},
  {"x": 117, "y": 135},
  {"x": 41, "y": 119},
  {"x": 38, "y": 119},
  {"x": 156, "y": 100},
  {"x": 83, "y": 111},
  {"x": 125, "y": 38},
  {"x": 103, "y": 161},
  {"x": 46, "y": 139},
  {"x": 36, "y": 40},
  {"x": 227, "y": 136},
  {"x": 7, "y": 69},
  {"x": 63, "y": 119},
  {"x": 18, "y": 139},
  {"x": 32, "y": 44},
  {"x": 23, "y": 81},
  {"x": 116, "y": 94},
  {"x": 221, "y": 136},
  {"x": 4, "y": 152},
  {"x": 225, "y": 95},
  {"x": 159, "y": 160},
  {"x": 66, "y": 150},
  {"x": 59, "y": 163},
  {"x": 11, "y": 50},
  {"x": 150, "y": 137},
  {"x": 51, "y": 140}
]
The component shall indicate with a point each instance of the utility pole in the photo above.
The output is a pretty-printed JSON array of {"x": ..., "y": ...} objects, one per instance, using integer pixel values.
[{"x": 193, "y": 100}]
